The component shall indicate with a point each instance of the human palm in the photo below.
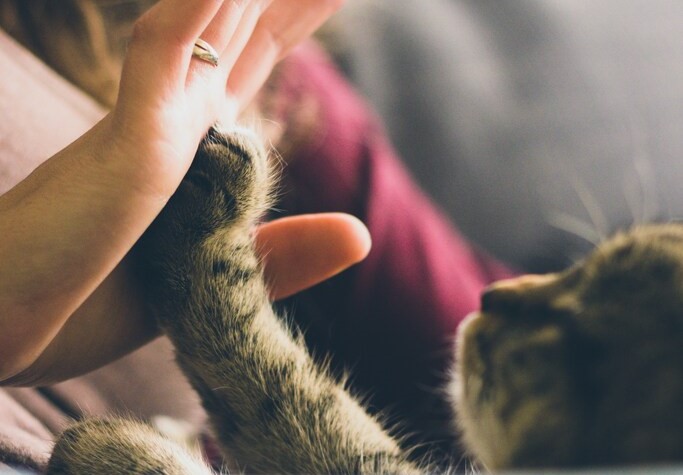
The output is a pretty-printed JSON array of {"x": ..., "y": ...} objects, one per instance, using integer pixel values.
[
  {"x": 80, "y": 213},
  {"x": 168, "y": 99}
]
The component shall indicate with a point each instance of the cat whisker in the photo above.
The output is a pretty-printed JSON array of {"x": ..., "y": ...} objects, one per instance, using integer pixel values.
[
  {"x": 592, "y": 207},
  {"x": 577, "y": 227},
  {"x": 640, "y": 190},
  {"x": 465, "y": 466}
]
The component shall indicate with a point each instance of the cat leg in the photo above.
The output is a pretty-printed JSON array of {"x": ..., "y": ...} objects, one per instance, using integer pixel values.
[
  {"x": 118, "y": 446},
  {"x": 272, "y": 408}
]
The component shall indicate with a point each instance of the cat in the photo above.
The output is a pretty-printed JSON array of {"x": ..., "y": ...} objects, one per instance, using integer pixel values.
[
  {"x": 583, "y": 367},
  {"x": 579, "y": 368}
]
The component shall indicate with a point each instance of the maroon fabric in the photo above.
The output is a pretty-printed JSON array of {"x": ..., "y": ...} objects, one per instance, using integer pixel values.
[{"x": 391, "y": 319}]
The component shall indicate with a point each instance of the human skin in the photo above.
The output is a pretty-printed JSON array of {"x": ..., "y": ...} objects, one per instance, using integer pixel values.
[{"x": 68, "y": 303}]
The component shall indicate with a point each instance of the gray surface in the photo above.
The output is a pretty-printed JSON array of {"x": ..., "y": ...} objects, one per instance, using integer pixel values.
[{"x": 538, "y": 125}]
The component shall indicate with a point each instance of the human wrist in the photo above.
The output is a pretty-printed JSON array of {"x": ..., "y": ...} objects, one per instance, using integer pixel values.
[
  {"x": 65, "y": 228},
  {"x": 141, "y": 160}
]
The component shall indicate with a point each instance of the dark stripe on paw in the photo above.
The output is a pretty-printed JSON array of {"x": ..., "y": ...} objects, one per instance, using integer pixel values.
[
  {"x": 233, "y": 272},
  {"x": 238, "y": 151},
  {"x": 201, "y": 180}
]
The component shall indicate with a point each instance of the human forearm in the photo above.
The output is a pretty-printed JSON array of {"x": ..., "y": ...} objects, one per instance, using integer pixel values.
[
  {"x": 109, "y": 324},
  {"x": 64, "y": 228}
]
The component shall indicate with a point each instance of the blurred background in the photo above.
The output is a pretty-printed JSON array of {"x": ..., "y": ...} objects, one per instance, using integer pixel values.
[{"x": 539, "y": 126}]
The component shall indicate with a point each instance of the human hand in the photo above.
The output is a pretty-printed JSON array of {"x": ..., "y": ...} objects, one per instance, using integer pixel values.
[
  {"x": 169, "y": 99},
  {"x": 70, "y": 223}
]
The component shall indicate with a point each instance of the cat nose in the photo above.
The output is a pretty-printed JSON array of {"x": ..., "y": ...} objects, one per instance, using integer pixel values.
[{"x": 511, "y": 295}]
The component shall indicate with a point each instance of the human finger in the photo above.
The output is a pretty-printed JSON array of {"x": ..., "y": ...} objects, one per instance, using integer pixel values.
[
  {"x": 161, "y": 48},
  {"x": 290, "y": 21},
  {"x": 301, "y": 251},
  {"x": 281, "y": 27},
  {"x": 243, "y": 33},
  {"x": 219, "y": 33},
  {"x": 203, "y": 77}
]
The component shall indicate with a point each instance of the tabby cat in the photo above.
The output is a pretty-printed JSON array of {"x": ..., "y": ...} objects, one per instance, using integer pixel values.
[{"x": 579, "y": 368}]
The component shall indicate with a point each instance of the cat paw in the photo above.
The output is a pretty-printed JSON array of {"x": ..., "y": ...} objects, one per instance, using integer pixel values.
[
  {"x": 224, "y": 192},
  {"x": 225, "y": 187},
  {"x": 118, "y": 446},
  {"x": 227, "y": 184}
]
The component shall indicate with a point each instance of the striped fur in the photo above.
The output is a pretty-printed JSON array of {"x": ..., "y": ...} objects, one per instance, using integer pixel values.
[
  {"x": 272, "y": 408},
  {"x": 579, "y": 368}
]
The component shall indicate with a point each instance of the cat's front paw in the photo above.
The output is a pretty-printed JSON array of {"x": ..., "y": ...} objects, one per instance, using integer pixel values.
[
  {"x": 224, "y": 192},
  {"x": 118, "y": 446},
  {"x": 226, "y": 188}
]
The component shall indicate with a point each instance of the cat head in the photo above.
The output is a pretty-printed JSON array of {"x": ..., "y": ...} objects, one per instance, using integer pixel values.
[{"x": 583, "y": 367}]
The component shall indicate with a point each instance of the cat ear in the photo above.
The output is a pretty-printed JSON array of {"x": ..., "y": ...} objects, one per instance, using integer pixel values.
[
  {"x": 528, "y": 292},
  {"x": 514, "y": 294}
]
